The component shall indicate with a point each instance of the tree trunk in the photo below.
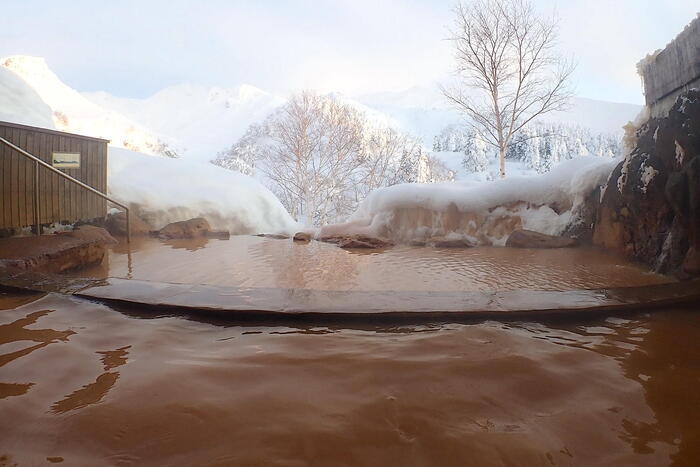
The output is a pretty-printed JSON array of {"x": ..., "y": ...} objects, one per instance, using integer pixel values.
[{"x": 502, "y": 161}]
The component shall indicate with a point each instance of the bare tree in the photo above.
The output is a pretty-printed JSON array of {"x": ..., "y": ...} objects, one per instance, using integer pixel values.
[
  {"x": 312, "y": 148},
  {"x": 321, "y": 157},
  {"x": 508, "y": 72}
]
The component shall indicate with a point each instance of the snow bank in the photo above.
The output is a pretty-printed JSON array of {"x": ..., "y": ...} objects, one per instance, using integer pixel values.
[
  {"x": 168, "y": 190},
  {"x": 19, "y": 103},
  {"x": 485, "y": 211}
]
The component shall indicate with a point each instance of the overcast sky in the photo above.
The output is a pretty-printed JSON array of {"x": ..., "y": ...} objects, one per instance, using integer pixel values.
[{"x": 133, "y": 48}]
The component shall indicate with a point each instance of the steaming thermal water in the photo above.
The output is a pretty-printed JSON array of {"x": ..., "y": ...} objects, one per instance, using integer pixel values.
[
  {"x": 87, "y": 385},
  {"x": 249, "y": 261}
]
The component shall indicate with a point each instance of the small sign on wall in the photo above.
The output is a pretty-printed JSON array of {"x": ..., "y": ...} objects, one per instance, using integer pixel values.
[{"x": 66, "y": 160}]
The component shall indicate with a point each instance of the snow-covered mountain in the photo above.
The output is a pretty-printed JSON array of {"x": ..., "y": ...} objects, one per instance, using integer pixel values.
[
  {"x": 197, "y": 122},
  {"x": 19, "y": 103},
  {"x": 70, "y": 111},
  {"x": 200, "y": 121},
  {"x": 424, "y": 112}
]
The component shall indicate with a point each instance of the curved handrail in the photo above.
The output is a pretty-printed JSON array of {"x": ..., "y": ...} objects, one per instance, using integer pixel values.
[{"x": 66, "y": 176}]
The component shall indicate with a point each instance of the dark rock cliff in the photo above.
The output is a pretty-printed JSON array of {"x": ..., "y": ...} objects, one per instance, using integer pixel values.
[{"x": 650, "y": 209}]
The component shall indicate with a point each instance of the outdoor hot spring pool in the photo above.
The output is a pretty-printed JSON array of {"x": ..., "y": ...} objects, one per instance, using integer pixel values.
[
  {"x": 86, "y": 383},
  {"x": 261, "y": 262}
]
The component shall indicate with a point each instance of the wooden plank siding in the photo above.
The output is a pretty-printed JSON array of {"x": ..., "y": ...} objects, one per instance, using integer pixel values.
[{"x": 60, "y": 201}]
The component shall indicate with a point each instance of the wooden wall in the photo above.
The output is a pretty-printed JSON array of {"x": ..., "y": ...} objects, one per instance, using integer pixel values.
[
  {"x": 59, "y": 199},
  {"x": 676, "y": 68}
]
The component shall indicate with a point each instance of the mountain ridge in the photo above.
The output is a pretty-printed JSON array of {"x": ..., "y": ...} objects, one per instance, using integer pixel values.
[{"x": 197, "y": 121}]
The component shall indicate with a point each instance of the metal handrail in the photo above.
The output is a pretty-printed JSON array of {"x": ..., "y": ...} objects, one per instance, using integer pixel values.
[{"x": 39, "y": 162}]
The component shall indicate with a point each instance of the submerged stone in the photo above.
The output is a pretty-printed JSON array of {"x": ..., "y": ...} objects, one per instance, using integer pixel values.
[
  {"x": 274, "y": 236},
  {"x": 357, "y": 241},
  {"x": 530, "y": 239},
  {"x": 442, "y": 242}
]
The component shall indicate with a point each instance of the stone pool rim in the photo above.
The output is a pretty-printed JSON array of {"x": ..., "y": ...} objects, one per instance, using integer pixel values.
[{"x": 278, "y": 304}]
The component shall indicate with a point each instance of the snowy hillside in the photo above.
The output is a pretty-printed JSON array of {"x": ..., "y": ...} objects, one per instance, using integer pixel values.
[
  {"x": 424, "y": 112},
  {"x": 200, "y": 121},
  {"x": 19, "y": 103},
  {"x": 69, "y": 110}
]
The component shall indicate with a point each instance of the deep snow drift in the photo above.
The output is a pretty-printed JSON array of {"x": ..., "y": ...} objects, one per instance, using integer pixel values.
[
  {"x": 482, "y": 212},
  {"x": 168, "y": 190}
]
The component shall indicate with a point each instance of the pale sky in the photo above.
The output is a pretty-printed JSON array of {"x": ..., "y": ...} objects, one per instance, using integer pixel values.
[{"x": 133, "y": 48}]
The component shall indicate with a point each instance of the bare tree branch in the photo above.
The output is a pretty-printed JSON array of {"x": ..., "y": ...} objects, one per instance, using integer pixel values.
[{"x": 507, "y": 70}]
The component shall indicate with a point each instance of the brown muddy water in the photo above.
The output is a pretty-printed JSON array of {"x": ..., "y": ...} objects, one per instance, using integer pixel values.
[
  {"x": 248, "y": 261},
  {"x": 84, "y": 384}
]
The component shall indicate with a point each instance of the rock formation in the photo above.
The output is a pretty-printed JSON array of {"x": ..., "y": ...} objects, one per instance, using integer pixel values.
[
  {"x": 197, "y": 227},
  {"x": 116, "y": 225},
  {"x": 650, "y": 208}
]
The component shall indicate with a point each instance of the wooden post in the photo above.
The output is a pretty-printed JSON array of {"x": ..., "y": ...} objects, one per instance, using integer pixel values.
[
  {"x": 37, "y": 218},
  {"x": 128, "y": 226}
]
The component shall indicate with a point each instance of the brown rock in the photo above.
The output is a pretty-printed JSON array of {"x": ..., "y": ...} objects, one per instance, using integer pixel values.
[
  {"x": 302, "y": 237},
  {"x": 197, "y": 227},
  {"x": 274, "y": 236},
  {"x": 357, "y": 241},
  {"x": 116, "y": 225},
  {"x": 442, "y": 242},
  {"x": 691, "y": 264},
  {"x": 531, "y": 239},
  {"x": 650, "y": 210}
]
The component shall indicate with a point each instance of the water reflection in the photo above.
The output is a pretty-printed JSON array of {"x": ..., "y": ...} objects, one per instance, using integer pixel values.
[
  {"x": 96, "y": 391},
  {"x": 89, "y": 394},
  {"x": 604, "y": 391},
  {"x": 301, "y": 264},
  {"x": 190, "y": 244},
  {"x": 13, "y": 389},
  {"x": 249, "y": 261},
  {"x": 17, "y": 331}
]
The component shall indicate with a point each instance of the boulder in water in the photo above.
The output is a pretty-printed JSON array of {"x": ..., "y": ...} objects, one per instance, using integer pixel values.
[
  {"x": 116, "y": 224},
  {"x": 357, "y": 241},
  {"x": 193, "y": 228},
  {"x": 302, "y": 237}
]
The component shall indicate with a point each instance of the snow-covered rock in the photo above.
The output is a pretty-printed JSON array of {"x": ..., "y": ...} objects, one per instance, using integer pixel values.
[
  {"x": 485, "y": 212},
  {"x": 168, "y": 190}
]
